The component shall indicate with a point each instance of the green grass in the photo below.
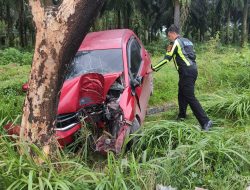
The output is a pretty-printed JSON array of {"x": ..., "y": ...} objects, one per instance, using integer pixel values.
[
  {"x": 166, "y": 152},
  {"x": 12, "y": 78}
]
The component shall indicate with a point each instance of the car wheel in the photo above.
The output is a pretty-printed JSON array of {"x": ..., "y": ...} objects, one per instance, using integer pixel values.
[
  {"x": 56, "y": 2},
  {"x": 135, "y": 127}
]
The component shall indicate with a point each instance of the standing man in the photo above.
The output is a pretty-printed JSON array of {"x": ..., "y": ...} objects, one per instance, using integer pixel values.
[{"x": 183, "y": 55}]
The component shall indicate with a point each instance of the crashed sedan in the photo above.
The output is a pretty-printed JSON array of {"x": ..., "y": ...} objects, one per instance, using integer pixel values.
[{"x": 108, "y": 85}]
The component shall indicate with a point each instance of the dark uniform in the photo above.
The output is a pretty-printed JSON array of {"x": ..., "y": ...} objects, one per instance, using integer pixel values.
[{"x": 184, "y": 57}]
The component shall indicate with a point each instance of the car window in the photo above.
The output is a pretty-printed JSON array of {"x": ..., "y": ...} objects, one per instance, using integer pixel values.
[
  {"x": 134, "y": 57},
  {"x": 96, "y": 61}
]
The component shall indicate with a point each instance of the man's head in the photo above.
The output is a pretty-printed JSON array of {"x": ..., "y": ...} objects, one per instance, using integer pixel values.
[{"x": 172, "y": 32}]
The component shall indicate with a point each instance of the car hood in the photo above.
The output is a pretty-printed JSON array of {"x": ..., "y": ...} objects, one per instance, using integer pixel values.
[{"x": 85, "y": 90}]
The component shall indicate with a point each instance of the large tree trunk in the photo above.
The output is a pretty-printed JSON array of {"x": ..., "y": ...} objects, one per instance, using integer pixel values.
[
  {"x": 177, "y": 13},
  {"x": 244, "y": 26},
  {"x": 59, "y": 32}
]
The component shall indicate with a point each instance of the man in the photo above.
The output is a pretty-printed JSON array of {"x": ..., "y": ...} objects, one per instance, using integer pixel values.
[{"x": 183, "y": 55}]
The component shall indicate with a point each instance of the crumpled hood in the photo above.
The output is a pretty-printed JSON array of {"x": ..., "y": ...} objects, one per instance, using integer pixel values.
[{"x": 84, "y": 90}]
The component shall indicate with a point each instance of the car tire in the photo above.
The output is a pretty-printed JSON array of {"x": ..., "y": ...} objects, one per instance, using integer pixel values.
[
  {"x": 56, "y": 2},
  {"x": 135, "y": 127}
]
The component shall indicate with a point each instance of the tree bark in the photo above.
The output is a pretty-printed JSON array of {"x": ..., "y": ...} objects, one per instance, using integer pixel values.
[
  {"x": 244, "y": 26},
  {"x": 177, "y": 13},
  {"x": 60, "y": 30}
]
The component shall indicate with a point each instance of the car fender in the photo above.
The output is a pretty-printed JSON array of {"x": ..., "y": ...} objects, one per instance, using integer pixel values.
[{"x": 127, "y": 104}]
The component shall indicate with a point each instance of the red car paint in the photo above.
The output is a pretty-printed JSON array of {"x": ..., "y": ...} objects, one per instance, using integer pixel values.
[
  {"x": 93, "y": 88},
  {"x": 73, "y": 90},
  {"x": 25, "y": 87},
  {"x": 66, "y": 137}
]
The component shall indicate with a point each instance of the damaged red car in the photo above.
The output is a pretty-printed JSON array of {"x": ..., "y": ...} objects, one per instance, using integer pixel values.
[{"x": 108, "y": 85}]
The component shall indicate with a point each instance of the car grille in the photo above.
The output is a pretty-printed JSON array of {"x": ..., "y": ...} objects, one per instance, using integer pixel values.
[{"x": 67, "y": 121}]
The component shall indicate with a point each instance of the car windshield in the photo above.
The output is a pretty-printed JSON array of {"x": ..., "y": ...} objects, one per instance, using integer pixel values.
[{"x": 96, "y": 61}]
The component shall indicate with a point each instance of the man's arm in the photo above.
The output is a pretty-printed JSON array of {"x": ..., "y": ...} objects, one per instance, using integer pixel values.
[{"x": 167, "y": 58}]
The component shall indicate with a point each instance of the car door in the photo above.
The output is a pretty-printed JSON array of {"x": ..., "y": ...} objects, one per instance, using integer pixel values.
[{"x": 139, "y": 66}]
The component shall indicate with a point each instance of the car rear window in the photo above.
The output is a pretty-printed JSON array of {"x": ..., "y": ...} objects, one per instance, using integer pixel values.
[{"x": 96, "y": 61}]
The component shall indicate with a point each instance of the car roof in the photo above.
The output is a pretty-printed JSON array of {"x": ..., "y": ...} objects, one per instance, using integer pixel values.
[{"x": 108, "y": 39}]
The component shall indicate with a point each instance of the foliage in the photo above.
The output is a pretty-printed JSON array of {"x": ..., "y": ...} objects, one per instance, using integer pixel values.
[
  {"x": 12, "y": 78},
  {"x": 166, "y": 152},
  {"x": 12, "y": 55},
  {"x": 200, "y": 20},
  {"x": 2, "y": 27}
]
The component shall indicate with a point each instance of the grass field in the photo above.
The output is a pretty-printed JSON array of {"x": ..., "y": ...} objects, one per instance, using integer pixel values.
[{"x": 167, "y": 152}]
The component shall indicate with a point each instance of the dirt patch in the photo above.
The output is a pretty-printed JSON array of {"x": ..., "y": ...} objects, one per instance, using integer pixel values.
[
  {"x": 160, "y": 109},
  {"x": 13, "y": 65}
]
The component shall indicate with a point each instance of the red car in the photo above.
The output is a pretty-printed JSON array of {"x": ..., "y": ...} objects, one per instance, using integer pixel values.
[{"x": 109, "y": 85}]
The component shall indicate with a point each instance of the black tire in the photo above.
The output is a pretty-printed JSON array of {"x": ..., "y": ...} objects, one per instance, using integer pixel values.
[
  {"x": 56, "y": 2},
  {"x": 135, "y": 127}
]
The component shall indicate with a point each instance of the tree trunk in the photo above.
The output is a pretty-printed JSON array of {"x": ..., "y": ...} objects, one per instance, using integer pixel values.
[
  {"x": 26, "y": 40},
  {"x": 10, "y": 33},
  {"x": 118, "y": 19},
  {"x": 228, "y": 27},
  {"x": 21, "y": 23},
  {"x": 244, "y": 26},
  {"x": 59, "y": 33},
  {"x": 2, "y": 36},
  {"x": 125, "y": 20},
  {"x": 235, "y": 33},
  {"x": 177, "y": 13}
]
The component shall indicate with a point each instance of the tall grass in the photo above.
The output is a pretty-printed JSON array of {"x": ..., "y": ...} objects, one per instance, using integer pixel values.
[
  {"x": 230, "y": 105},
  {"x": 183, "y": 157},
  {"x": 22, "y": 172},
  {"x": 166, "y": 152},
  {"x": 194, "y": 158}
]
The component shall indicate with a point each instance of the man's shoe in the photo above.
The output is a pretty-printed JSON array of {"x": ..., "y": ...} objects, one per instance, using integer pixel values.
[
  {"x": 207, "y": 126},
  {"x": 180, "y": 118}
]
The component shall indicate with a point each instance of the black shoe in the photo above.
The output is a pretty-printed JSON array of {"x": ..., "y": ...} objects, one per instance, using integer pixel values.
[
  {"x": 207, "y": 126},
  {"x": 179, "y": 119}
]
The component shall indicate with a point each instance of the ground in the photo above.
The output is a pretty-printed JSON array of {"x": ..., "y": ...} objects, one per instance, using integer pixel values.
[{"x": 167, "y": 152}]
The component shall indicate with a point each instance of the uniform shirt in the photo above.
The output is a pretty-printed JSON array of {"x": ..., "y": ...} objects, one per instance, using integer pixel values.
[{"x": 182, "y": 53}]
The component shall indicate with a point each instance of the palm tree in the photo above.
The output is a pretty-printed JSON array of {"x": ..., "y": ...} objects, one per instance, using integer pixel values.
[
  {"x": 181, "y": 11},
  {"x": 244, "y": 26},
  {"x": 227, "y": 7},
  {"x": 177, "y": 13}
]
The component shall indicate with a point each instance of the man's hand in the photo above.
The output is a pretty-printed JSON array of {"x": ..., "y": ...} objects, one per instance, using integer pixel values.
[
  {"x": 152, "y": 68},
  {"x": 169, "y": 48}
]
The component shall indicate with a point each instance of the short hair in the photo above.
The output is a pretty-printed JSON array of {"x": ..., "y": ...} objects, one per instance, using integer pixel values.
[{"x": 173, "y": 28}]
